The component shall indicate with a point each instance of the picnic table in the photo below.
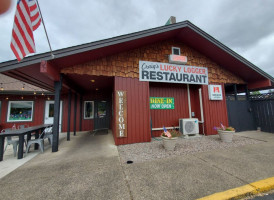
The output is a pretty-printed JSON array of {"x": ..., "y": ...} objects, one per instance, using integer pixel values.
[{"x": 21, "y": 134}]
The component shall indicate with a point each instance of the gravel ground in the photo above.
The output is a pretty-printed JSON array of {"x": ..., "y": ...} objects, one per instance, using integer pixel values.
[{"x": 141, "y": 152}]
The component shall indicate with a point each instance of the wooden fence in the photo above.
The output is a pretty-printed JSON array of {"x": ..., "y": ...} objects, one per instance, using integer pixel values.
[{"x": 263, "y": 111}]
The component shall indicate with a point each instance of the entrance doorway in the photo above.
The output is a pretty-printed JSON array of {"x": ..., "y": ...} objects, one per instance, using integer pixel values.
[
  {"x": 102, "y": 115},
  {"x": 49, "y": 113}
]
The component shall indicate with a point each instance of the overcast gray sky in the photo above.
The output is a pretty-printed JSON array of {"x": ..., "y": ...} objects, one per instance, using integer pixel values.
[{"x": 245, "y": 26}]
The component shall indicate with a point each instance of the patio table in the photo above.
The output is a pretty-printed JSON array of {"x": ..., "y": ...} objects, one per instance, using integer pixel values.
[{"x": 21, "y": 133}]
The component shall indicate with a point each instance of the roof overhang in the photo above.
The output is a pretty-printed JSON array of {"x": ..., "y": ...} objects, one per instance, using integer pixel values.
[{"x": 28, "y": 69}]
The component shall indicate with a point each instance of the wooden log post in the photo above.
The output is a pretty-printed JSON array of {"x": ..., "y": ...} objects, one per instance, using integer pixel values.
[
  {"x": 55, "y": 129},
  {"x": 69, "y": 115},
  {"x": 81, "y": 112},
  {"x": 2, "y": 142},
  {"x": 75, "y": 113}
]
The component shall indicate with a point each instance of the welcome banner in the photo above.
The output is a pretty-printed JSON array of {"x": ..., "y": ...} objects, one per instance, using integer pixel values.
[{"x": 172, "y": 73}]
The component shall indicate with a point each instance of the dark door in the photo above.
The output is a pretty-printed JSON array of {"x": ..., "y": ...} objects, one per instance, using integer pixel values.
[
  {"x": 101, "y": 115},
  {"x": 240, "y": 115}
]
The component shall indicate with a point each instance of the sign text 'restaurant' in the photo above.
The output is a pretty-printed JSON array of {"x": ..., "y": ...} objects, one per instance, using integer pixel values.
[{"x": 171, "y": 73}]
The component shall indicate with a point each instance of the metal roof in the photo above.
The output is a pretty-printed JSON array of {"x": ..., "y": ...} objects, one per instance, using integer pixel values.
[{"x": 61, "y": 53}]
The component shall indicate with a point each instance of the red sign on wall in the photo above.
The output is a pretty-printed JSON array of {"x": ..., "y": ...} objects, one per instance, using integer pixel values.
[
  {"x": 215, "y": 92},
  {"x": 177, "y": 59}
]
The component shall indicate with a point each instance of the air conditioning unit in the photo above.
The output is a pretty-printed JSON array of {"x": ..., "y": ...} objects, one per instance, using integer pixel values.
[{"x": 189, "y": 126}]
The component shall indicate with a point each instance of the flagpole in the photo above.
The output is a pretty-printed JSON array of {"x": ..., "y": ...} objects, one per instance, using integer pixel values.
[{"x": 45, "y": 29}]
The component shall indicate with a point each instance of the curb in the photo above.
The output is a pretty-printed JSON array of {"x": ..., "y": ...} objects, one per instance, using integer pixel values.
[{"x": 243, "y": 191}]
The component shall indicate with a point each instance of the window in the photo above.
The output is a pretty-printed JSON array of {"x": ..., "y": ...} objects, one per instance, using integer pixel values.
[
  {"x": 102, "y": 109},
  {"x": 51, "y": 110},
  {"x": 88, "y": 110},
  {"x": 20, "y": 111},
  {"x": 176, "y": 51}
]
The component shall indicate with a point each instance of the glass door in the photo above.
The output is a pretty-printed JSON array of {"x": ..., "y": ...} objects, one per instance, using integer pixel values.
[
  {"x": 49, "y": 113},
  {"x": 101, "y": 115}
]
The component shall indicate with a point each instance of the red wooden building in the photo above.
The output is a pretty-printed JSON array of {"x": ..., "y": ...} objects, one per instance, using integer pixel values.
[{"x": 88, "y": 78}]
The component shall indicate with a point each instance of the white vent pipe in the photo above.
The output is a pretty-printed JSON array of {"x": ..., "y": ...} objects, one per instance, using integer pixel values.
[
  {"x": 201, "y": 110},
  {"x": 189, "y": 103},
  {"x": 201, "y": 105}
]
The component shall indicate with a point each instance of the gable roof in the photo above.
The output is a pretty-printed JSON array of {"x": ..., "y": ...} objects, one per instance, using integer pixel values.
[{"x": 185, "y": 32}]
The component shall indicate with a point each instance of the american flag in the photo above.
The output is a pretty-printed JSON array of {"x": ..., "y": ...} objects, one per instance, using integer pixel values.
[
  {"x": 223, "y": 127},
  {"x": 167, "y": 133},
  {"x": 26, "y": 20}
]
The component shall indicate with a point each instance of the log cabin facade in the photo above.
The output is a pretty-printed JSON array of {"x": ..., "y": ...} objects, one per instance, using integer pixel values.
[{"x": 87, "y": 79}]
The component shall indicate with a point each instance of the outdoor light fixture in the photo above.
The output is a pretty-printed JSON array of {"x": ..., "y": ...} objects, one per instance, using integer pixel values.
[
  {"x": 42, "y": 94},
  {"x": 92, "y": 81},
  {"x": 34, "y": 93},
  {"x": 23, "y": 87},
  {"x": 97, "y": 89},
  {"x": 7, "y": 98},
  {"x": 2, "y": 87},
  {"x": 22, "y": 97}
]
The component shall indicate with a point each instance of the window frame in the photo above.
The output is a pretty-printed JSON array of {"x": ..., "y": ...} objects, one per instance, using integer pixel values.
[
  {"x": 173, "y": 48},
  {"x": 9, "y": 107},
  {"x": 92, "y": 116}
]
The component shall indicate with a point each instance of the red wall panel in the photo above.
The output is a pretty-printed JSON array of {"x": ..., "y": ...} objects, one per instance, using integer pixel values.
[
  {"x": 169, "y": 118},
  {"x": 64, "y": 98},
  {"x": 215, "y": 112},
  {"x": 195, "y": 104},
  {"x": 195, "y": 101},
  {"x": 138, "y": 123}
]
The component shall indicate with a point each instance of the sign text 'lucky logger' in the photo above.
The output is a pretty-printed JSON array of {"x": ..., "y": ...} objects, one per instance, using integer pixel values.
[{"x": 172, "y": 73}]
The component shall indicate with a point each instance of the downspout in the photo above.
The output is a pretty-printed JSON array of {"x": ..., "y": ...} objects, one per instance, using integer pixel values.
[
  {"x": 189, "y": 103},
  {"x": 201, "y": 110}
]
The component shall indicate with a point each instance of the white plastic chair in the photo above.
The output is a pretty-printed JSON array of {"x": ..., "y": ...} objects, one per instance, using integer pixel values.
[
  {"x": 48, "y": 134},
  {"x": 21, "y": 126},
  {"x": 14, "y": 142},
  {"x": 39, "y": 141}
]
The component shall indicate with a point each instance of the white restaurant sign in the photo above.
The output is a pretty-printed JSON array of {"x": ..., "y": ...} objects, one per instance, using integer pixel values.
[{"x": 172, "y": 73}]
